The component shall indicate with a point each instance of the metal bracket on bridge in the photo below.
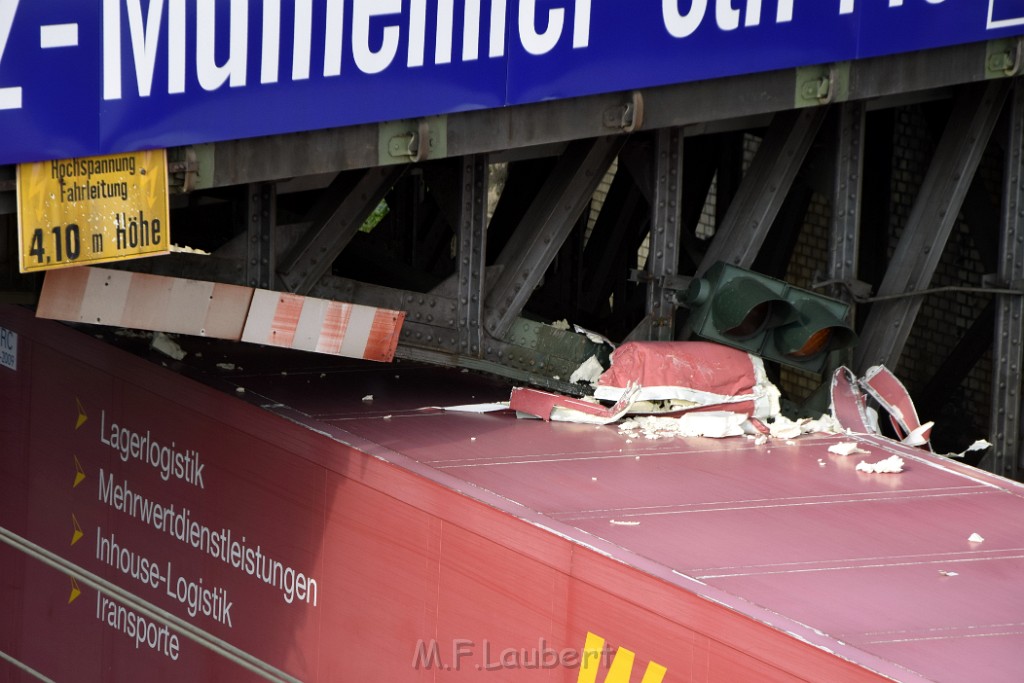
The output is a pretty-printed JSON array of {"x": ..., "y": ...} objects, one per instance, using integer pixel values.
[
  {"x": 628, "y": 117},
  {"x": 1004, "y": 58},
  {"x": 825, "y": 84},
  {"x": 412, "y": 140}
]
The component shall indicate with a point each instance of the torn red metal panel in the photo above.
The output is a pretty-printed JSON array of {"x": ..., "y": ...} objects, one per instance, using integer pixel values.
[
  {"x": 849, "y": 405},
  {"x": 884, "y": 387},
  {"x": 546, "y": 405},
  {"x": 145, "y": 302},
  {"x": 704, "y": 374},
  {"x": 332, "y": 327}
]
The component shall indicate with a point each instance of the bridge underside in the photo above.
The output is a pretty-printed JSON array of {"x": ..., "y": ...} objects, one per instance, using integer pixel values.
[{"x": 894, "y": 183}]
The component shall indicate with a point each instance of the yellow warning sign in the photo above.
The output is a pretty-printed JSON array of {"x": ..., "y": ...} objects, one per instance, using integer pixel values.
[{"x": 92, "y": 210}]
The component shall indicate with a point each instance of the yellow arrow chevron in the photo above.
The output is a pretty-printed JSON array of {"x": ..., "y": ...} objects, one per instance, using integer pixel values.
[
  {"x": 78, "y": 533},
  {"x": 82, "y": 417},
  {"x": 79, "y": 472}
]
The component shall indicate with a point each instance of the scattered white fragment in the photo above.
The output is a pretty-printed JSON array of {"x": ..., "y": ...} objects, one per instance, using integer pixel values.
[
  {"x": 188, "y": 250},
  {"x": 226, "y": 366},
  {"x": 919, "y": 436},
  {"x": 979, "y": 445},
  {"x": 890, "y": 465},
  {"x": 846, "y": 448},
  {"x": 821, "y": 463},
  {"x": 322, "y": 375},
  {"x": 472, "y": 438},
  {"x": 760, "y": 439},
  {"x": 557, "y": 378},
  {"x": 464, "y": 371},
  {"x": 284, "y": 373},
  {"x": 240, "y": 390},
  {"x": 637, "y": 457},
  {"x": 716, "y": 423},
  {"x": 593, "y": 336},
  {"x": 368, "y": 398},
  {"x": 588, "y": 372},
  {"x": 475, "y": 407},
  {"x": 562, "y": 324},
  {"x": 199, "y": 354},
  {"x": 975, "y": 538},
  {"x": 945, "y": 572},
  {"x": 623, "y": 522},
  {"x": 784, "y": 428},
  {"x": 167, "y": 346},
  {"x": 593, "y": 479},
  {"x": 387, "y": 417},
  {"x": 129, "y": 334}
]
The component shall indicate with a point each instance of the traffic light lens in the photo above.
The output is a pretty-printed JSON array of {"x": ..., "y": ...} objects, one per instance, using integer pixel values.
[
  {"x": 743, "y": 308},
  {"x": 755, "y": 321},
  {"x": 766, "y": 317},
  {"x": 815, "y": 344}
]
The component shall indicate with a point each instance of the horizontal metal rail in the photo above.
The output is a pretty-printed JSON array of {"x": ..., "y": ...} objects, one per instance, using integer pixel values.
[{"x": 197, "y": 635}]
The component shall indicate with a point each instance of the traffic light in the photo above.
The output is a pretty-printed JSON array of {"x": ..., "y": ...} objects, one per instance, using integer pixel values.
[{"x": 767, "y": 317}]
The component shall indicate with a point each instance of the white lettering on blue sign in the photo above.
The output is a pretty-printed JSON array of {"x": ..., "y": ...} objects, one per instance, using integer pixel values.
[
  {"x": 377, "y": 29},
  {"x": 134, "y": 74}
]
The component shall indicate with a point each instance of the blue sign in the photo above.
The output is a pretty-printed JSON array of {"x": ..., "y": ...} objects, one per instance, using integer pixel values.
[{"x": 87, "y": 77}]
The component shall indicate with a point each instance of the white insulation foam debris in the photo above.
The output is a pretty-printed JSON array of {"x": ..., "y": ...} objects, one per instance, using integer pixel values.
[
  {"x": 716, "y": 424},
  {"x": 890, "y": 465},
  {"x": 979, "y": 445},
  {"x": 624, "y": 522},
  {"x": 975, "y": 538},
  {"x": 846, "y": 448},
  {"x": 167, "y": 346},
  {"x": 588, "y": 372}
]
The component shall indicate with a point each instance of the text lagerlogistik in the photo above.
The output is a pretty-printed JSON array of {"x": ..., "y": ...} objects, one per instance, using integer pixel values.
[{"x": 184, "y": 465}]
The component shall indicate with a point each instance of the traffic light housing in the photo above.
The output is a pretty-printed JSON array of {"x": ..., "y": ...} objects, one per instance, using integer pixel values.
[{"x": 767, "y": 317}]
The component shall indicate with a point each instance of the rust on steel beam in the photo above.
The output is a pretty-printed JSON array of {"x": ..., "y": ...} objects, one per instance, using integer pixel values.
[
  {"x": 335, "y": 222},
  {"x": 931, "y": 220},
  {"x": 544, "y": 228},
  {"x": 764, "y": 188}
]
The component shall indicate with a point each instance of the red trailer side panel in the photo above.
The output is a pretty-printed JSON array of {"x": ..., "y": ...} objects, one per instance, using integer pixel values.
[{"x": 343, "y": 538}]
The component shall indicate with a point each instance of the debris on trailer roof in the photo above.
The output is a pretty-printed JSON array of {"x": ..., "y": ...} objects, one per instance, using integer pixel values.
[
  {"x": 891, "y": 465},
  {"x": 662, "y": 377}
]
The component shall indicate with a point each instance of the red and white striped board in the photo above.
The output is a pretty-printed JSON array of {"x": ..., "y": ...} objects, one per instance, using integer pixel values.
[
  {"x": 168, "y": 304},
  {"x": 333, "y": 327},
  {"x": 118, "y": 298}
]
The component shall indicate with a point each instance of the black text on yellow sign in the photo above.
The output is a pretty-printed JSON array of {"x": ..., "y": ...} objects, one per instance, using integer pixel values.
[{"x": 92, "y": 210}]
